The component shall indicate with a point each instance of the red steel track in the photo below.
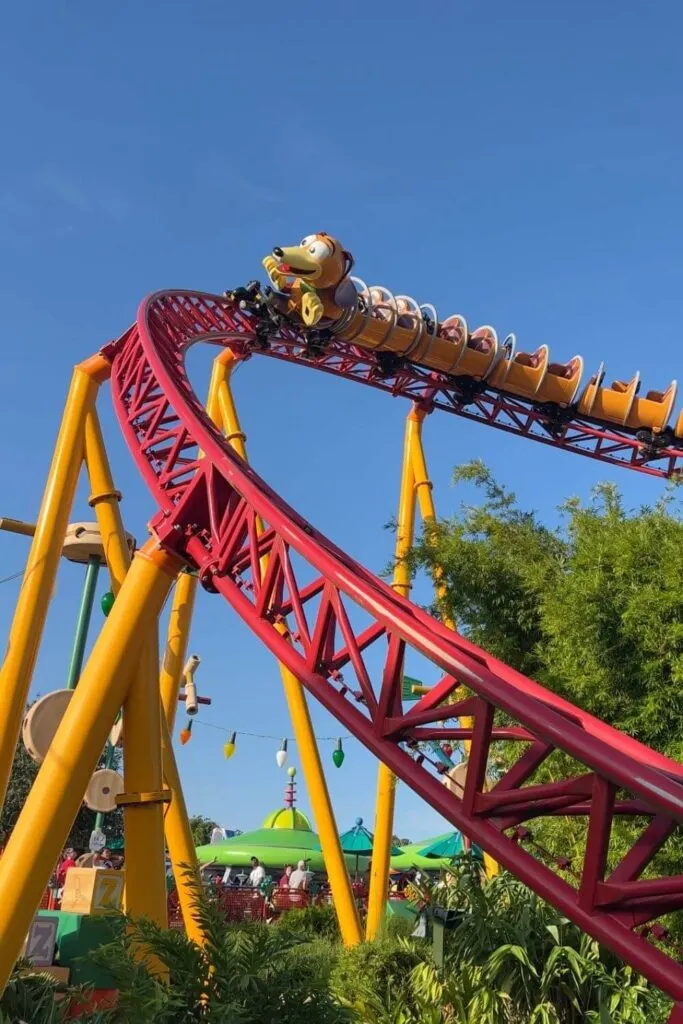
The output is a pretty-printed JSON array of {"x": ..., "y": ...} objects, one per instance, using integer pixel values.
[{"x": 342, "y": 620}]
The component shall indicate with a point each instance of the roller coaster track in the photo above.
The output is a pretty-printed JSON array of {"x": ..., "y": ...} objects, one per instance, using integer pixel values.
[{"x": 221, "y": 517}]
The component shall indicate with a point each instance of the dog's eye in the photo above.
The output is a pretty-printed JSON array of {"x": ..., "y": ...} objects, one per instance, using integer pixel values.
[
  {"x": 305, "y": 242},
  {"x": 320, "y": 250}
]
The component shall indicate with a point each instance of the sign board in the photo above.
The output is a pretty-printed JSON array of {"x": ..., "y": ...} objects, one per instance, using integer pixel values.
[
  {"x": 407, "y": 688},
  {"x": 40, "y": 941},
  {"x": 98, "y": 841}
]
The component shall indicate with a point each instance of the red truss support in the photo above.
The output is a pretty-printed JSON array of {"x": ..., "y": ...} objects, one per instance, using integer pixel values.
[{"x": 343, "y": 623}]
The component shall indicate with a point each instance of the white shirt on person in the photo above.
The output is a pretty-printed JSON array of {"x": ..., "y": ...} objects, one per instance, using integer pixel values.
[
  {"x": 257, "y": 876},
  {"x": 299, "y": 879}
]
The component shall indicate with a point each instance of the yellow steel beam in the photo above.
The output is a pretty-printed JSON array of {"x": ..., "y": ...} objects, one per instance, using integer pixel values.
[
  {"x": 56, "y": 795},
  {"x": 180, "y": 619},
  {"x": 143, "y": 823},
  {"x": 41, "y": 568},
  {"x": 177, "y": 637},
  {"x": 386, "y": 780},
  {"x": 144, "y": 757},
  {"x": 181, "y": 846},
  {"x": 311, "y": 764},
  {"x": 423, "y": 489}
]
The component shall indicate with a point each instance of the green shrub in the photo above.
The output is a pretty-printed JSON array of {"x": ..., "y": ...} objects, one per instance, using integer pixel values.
[
  {"x": 241, "y": 976},
  {"x": 317, "y": 958},
  {"x": 373, "y": 980},
  {"x": 396, "y": 927},
  {"x": 311, "y": 923}
]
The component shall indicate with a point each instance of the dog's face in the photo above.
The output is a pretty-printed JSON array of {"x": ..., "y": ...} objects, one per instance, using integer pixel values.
[{"x": 319, "y": 259}]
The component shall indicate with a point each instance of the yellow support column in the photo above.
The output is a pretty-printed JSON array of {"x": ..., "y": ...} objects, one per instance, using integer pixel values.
[
  {"x": 143, "y": 818},
  {"x": 105, "y": 500},
  {"x": 177, "y": 637},
  {"x": 41, "y": 567},
  {"x": 43, "y": 825},
  {"x": 180, "y": 619},
  {"x": 179, "y": 838},
  {"x": 318, "y": 793},
  {"x": 386, "y": 780},
  {"x": 423, "y": 489}
]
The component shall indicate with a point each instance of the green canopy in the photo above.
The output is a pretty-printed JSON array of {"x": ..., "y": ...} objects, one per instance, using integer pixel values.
[
  {"x": 359, "y": 841},
  {"x": 448, "y": 847},
  {"x": 274, "y": 847},
  {"x": 410, "y": 857}
]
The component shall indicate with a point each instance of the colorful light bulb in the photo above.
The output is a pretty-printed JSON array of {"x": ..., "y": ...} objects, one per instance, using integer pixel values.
[
  {"x": 281, "y": 756},
  {"x": 229, "y": 747}
]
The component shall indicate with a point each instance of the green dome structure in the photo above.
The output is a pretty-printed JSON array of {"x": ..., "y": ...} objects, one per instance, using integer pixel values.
[{"x": 288, "y": 818}]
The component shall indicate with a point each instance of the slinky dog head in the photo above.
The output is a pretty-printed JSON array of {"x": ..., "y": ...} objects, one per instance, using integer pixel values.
[{"x": 319, "y": 259}]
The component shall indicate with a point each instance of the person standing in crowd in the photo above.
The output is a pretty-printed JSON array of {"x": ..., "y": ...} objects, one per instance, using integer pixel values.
[
  {"x": 285, "y": 882},
  {"x": 301, "y": 877},
  {"x": 257, "y": 874},
  {"x": 103, "y": 859},
  {"x": 68, "y": 861}
]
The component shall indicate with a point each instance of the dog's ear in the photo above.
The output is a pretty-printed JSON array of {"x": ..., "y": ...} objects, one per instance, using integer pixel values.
[{"x": 348, "y": 262}]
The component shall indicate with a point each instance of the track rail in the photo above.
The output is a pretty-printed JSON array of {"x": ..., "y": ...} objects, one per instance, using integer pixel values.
[{"x": 349, "y": 633}]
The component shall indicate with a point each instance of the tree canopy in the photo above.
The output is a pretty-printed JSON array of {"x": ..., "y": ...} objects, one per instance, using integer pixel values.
[
  {"x": 24, "y": 771},
  {"x": 592, "y": 609},
  {"x": 201, "y": 829}
]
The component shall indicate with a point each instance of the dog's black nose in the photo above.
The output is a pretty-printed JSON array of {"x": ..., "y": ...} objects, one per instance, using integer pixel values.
[{"x": 277, "y": 251}]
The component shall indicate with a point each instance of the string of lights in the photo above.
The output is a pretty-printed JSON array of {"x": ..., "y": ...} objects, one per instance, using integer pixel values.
[
  {"x": 338, "y": 754},
  {"x": 14, "y": 576},
  {"x": 266, "y": 736}
]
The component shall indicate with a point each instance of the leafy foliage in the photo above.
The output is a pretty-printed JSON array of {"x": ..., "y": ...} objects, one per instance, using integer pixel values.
[
  {"x": 400, "y": 842},
  {"x": 373, "y": 980},
  {"x": 592, "y": 609},
  {"x": 241, "y": 976},
  {"x": 24, "y": 771},
  {"x": 201, "y": 829},
  {"x": 513, "y": 959},
  {"x": 311, "y": 923}
]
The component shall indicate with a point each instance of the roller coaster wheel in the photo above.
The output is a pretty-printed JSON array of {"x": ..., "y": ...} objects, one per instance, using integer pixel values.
[
  {"x": 469, "y": 389},
  {"x": 387, "y": 364}
]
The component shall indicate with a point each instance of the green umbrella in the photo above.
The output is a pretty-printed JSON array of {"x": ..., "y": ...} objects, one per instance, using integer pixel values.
[
  {"x": 448, "y": 847},
  {"x": 359, "y": 841}
]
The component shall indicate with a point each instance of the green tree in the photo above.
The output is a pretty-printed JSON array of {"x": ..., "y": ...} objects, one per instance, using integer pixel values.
[
  {"x": 512, "y": 958},
  {"x": 24, "y": 771},
  {"x": 400, "y": 842},
  {"x": 592, "y": 609},
  {"x": 201, "y": 829}
]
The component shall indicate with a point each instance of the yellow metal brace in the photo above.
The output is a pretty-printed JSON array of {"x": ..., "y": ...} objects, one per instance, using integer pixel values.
[
  {"x": 41, "y": 568},
  {"x": 338, "y": 876},
  {"x": 142, "y": 770},
  {"x": 386, "y": 780},
  {"x": 43, "y": 825},
  {"x": 416, "y": 488}
]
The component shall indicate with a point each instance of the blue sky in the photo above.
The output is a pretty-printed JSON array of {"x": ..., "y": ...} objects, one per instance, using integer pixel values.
[{"x": 518, "y": 163}]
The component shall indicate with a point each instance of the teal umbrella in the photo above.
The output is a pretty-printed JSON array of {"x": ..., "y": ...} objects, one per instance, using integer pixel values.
[
  {"x": 359, "y": 840},
  {"x": 449, "y": 846}
]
